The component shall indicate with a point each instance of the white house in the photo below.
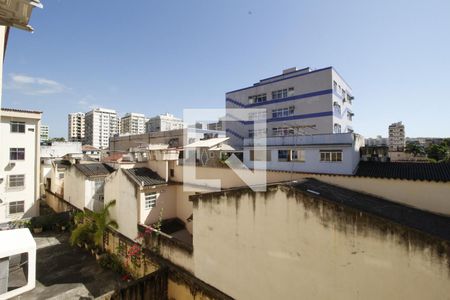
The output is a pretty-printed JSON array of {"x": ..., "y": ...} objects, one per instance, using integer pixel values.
[
  {"x": 84, "y": 185},
  {"x": 322, "y": 153},
  {"x": 19, "y": 164}
]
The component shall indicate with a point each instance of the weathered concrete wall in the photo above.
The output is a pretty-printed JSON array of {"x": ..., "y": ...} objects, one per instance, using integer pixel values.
[
  {"x": 425, "y": 195},
  {"x": 287, "y": 245}
]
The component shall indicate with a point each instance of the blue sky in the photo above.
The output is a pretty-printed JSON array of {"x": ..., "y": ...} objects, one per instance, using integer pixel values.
[{"x": 162, "y": 56}]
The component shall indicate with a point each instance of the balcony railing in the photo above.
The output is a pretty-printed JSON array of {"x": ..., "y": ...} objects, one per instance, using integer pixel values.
[{"x": 305, "y": 140}]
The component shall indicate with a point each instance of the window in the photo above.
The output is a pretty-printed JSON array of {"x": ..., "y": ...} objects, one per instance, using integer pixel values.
[
  {"x": 283, "y": 112},
  {"x": 334, "y": 85},
  {"x": 16, "y": 207},
  {"x": 298, "y": 155},
  {"x": 282, "y": 131},
  {"x": 257, "y": 98},
  {"x": 61, "y": 176},
  {"x": 337, "y": 108},
  {"x": 150, "y": 200},
  {"x": 337, "y": 128},
  {"x": 172, "y": 172},
  {"x": 331, "y": 156},
  {"x": 257, "y": 116},
  {"x": 260, "y": 155},
  {"x": 284, "y": 93},
  {"x": 283, "y": 155},
  {"x": 16, "y": 181},
  {"x": 349, "y": 115},
  {"x": 18, "y": 127},
  {"x": 16, "y": 153}
]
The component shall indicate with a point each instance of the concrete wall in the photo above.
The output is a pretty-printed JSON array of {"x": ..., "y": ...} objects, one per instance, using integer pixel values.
[
  {"x": 426, "y": 195},
  {"x": 126, "y": 211},
  {"x": 75, "y": 188},
  {"x": 284, "y": 244}
]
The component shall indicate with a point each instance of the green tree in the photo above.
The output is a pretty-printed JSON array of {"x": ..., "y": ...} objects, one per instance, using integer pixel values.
[
  {"x": 437, "y": 152},
  {"x": 415, "y": 149},
  {"x": 94, "y": 226}
]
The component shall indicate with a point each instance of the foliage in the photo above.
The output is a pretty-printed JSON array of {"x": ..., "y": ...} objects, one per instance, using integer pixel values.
[
  {"x": 415, "y": 149},
  {"x": 112, "y": 262},
  {"x": 81, "y": 234},
  {"x": 101, "y": 222},
  {"x": 91, "y": 226},
  {"x": 438, "y": 152}
]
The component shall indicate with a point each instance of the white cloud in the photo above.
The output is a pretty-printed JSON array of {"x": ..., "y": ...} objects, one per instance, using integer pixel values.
[
  {"x": 87, "y": 102},
  {"x": 33, "y": 86}
]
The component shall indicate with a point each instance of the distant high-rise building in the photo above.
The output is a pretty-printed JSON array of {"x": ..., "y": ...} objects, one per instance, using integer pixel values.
[
  {"x": 44, "y": 133},
  {"x": 101, "y": 124},
  {"x": 397, "y": 137},
  {"x": 132, "y": 123},
  {"x": 164, "y": 123},
  {"x": 76, "y": 127}
]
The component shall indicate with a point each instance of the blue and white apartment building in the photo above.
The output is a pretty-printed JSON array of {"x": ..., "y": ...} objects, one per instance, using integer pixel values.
[{"x": 309, "y": 122}]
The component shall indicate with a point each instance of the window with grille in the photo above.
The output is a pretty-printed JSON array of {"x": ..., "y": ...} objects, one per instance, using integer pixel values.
[
  {"x": 331, "y": 156},
  {"x": 16, "y": 207},
  {"x": 297, "y": 155},
  {"x": 150, "y": 200},
  {"x": 16, "y": 153},
  {"x": 17, "y": 127},
  {"x": 16, "y": 181}
]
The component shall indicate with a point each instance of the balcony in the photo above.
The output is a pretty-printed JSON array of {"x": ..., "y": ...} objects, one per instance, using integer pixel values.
[{"x": 303, "y": 140}]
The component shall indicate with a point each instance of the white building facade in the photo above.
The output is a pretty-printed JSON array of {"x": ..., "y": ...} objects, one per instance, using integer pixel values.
[
  {"x": 132, "y": 123},
  {"x": 164, "y": 122},
  {"x": 76, "y": 127},
  {"x": 297, "y": 102},
  {"x": 322, "y": 153},
  {"x": 19, "y": 164},
  {"x": 397, "y": 139},
  {"x": 101, "y": 124}
]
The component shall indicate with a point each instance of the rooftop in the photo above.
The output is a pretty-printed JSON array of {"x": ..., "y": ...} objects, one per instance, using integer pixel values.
[
  {"x": 405, "y": 170},
  {"x": 89, "y": 148},
  {"x": 209, "y": 143},
  {"x": 94, "y": 169},
  {"x": 21, "y": 110},
  {"x": 144, "y": 176},
  {"x": 430, "y": 223}
]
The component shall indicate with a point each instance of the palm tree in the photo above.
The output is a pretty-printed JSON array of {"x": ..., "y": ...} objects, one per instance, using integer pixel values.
[
  {"x": 101, "y": 223},
  {"x": 94, "y": 227}
]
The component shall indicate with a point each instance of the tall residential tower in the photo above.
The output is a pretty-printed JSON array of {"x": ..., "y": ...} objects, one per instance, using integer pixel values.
[
  {"x": 397, "y": 139},
  {"x": 101, "y": 124},
  {"x": 133, "y": 123},
  {"x": 76, "y": 127}
]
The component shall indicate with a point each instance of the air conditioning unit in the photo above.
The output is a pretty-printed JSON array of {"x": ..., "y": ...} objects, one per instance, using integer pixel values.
[{"x": 11, "y": 164}]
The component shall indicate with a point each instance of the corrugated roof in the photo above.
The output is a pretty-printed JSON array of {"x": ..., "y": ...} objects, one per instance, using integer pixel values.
[
  {"x": 207, "y": 143},
  {"x": 405, "y": 170},
  {"x": 94, "y": 169},
  {"x": 22, "y": 110},
  {"x": 144, "y": 176}
]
